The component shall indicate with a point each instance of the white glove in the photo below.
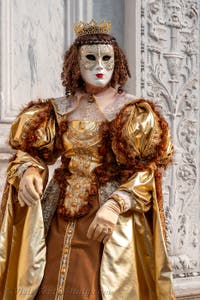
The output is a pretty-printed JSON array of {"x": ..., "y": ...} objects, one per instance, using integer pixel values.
[
  {"x": 30, "y": 187},
  {"x": 104, "y": 222}
]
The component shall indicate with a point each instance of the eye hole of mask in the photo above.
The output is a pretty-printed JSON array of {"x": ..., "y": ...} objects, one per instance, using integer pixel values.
[
  {"x": 106, "y": 57},
  {"x": 91, "y": 57}
]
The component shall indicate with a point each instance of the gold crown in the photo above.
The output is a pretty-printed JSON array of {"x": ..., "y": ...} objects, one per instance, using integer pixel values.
[{"x": 92, "y": 27}]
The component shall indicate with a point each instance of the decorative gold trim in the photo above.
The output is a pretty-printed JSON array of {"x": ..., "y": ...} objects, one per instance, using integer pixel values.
[
  {"x": 121, "y": 203},
  {"x": 64, "y": 262}
]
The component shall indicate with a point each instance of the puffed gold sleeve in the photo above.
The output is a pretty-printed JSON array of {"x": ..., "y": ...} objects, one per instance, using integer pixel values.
[
  {"x": 34, "y": 130},
  {"x": 22, "y": 236},
  {"x": 142, "y": 145},
  {"x": 33, "y": 135}
]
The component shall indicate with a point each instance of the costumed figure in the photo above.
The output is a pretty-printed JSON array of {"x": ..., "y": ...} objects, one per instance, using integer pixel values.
[{"x": 97, "y": 230}]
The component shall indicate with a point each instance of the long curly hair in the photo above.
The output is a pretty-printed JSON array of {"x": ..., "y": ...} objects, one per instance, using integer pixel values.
[{"x": 71, "y": 75}]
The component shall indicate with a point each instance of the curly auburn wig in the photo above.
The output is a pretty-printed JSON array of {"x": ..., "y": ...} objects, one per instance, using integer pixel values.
[{"x": 71, "y": 75}]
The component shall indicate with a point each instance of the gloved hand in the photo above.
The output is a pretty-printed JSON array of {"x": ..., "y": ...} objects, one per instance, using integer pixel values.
[
  {"x": 30, "y": 187},
  {"x": 104, "y": 222}
]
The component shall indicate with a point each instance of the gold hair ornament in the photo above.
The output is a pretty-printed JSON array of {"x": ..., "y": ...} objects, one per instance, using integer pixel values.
[{"x": 92, "y": 27}]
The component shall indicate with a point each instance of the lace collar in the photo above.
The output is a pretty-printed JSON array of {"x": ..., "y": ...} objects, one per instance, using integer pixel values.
[{"x": 116, "y": 101}]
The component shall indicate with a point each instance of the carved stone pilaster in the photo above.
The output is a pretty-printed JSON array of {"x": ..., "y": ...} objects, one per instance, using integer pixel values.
[
  {"x": 170, "y": 76},
  {"x": 76, "y": 11}
]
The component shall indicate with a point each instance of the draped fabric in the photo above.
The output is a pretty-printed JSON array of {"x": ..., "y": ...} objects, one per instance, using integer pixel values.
[{"x": 122, "y": 161}]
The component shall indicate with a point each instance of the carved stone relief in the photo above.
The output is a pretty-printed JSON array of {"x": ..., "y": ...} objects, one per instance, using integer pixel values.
[{"x": 170, "y": 76}]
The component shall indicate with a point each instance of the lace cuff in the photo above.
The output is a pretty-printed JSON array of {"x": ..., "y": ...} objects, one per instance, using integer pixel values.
[
  {"x": 19, "y": 165},
  {"x": 123, "y": 198},
  {"x": 23, "y": 168}
]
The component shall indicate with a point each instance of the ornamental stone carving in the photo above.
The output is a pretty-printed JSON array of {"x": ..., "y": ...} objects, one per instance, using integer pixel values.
[{"x": 170, "y": 76}]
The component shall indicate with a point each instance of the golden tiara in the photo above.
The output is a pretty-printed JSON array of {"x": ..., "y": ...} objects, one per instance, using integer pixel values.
[{"x": 92, "y": 27}]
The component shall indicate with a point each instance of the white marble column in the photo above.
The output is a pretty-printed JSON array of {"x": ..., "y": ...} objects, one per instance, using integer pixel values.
[
  {"x": 166, "y": 58},
  {"x": 112, "y": 10},
  {"x": 76, "y": 11},
  {"x": 132, "y": 42}
]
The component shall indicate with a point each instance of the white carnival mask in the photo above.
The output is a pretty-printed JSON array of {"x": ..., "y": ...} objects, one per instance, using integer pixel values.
[{"x": 96, "y": 64}]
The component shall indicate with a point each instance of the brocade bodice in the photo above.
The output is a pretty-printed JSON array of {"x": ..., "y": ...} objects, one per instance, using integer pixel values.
[{"x": 82, "y": 142}]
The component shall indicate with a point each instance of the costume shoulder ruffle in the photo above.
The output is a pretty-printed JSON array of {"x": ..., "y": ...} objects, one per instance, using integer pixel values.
[
  {"x": 140, "y": 135},
  {"x": 34, "y": 130}
]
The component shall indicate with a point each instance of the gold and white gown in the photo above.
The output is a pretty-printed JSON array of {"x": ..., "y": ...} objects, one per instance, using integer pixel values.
[{"x": 113, "y": 151}]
